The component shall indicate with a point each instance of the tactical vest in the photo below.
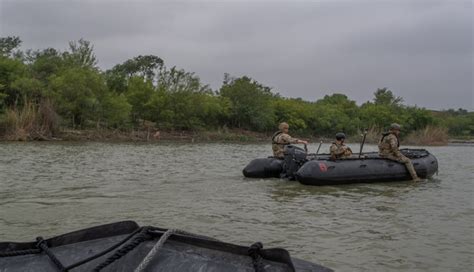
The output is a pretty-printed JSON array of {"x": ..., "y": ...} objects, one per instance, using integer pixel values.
[
  {"x": 383, "y": 146},
  {"x": 275, "y": 137},
  {"x": 277, "y": 146},
  {"x": 348, "y": 152}
]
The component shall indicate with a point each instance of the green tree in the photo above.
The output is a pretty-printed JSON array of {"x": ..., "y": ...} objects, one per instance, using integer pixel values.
[
  {"x": 45, "y": 63},
  {"x": 10, "y": 71},
  {"x": 378, "y": 116},
  {"x": 184, "y": 93},
  {"x": 385, "y": 97},
  {"x": 139, "y": 95},
  {"x": 414, "y": 118},
  {"x": 328, "y": 120},
  {"x": 147, "y": 66},
  {"x": 336, "y": 113},
  {"x": 28, "y": 88},
  {"x": 81, "y": 54},
  {"x": 115, "y": 110},
  {"x": 295, "y": 112},
  {"x": 76, "y": 93},
  {"x": 460, "y": 123},
  {"x": 8, "y": 45},
  {"x": 250, "y": 104}
]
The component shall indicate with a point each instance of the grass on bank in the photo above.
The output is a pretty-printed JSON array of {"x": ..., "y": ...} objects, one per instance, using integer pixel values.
[
  {"x": 29, "y": 122},
  {"x": 428, "y": 136},
  {"x": 40, "y": 122}
]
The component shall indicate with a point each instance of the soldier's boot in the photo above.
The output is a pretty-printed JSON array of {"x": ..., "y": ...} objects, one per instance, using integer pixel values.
[{"x": 412, "y": 172}]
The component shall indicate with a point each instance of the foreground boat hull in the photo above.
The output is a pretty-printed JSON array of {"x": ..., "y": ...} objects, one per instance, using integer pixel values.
[{"x": 179, "y": 253}]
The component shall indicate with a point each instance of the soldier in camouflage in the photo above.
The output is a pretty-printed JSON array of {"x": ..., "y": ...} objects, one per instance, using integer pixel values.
[
  {"x": 338, "y": 149},
  {"x": 388, "y": 148},
  {"x": 281, "y": 138}
]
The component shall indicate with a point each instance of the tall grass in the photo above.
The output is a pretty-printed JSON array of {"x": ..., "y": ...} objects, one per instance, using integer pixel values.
[
  {"x": 428, "y": 136},
  {"x": 372, "y": 137},
  {"x": 31, "y": 121}
]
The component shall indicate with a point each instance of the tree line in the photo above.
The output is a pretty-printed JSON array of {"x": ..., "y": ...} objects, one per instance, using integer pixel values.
[{"x": 44, "y": 91}]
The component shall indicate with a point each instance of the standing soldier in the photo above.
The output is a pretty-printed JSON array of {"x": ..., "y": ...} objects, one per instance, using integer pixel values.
[
  {"x": 388, "y": 148},
  {"x": 281, "y": 138},
  {"x": 338, "y": 149}
]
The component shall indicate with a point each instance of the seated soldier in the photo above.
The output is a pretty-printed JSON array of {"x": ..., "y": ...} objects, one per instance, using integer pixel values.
[
  {"x": 338, "y": 149},
  {"x": 281, "y": 138},
  {"x": 388, "y": 148}
]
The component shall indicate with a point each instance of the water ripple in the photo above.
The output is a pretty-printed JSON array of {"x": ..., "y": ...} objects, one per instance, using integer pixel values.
[{"x": 51, "y": 188}]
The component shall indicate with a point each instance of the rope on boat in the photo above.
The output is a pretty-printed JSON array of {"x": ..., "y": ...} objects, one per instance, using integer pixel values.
[
  {"x": 254, "y": 253},
  {"x": 153, "y": 252},
  {"x": 104, "y": 251},
  {"x": 71, "y": 266},
  {"x": 20, "y": 252},
  {"x": 141, "y": 267},
  {"x": 141, "y": 237},
  {"x": 43, "y": 245}
]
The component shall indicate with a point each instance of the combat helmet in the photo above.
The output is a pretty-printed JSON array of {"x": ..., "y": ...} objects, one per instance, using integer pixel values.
[
  {"x": 395, "y": 126},
  {"x": 340, "y": 136}
]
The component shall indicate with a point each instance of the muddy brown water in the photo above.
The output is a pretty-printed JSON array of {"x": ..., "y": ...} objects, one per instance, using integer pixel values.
[{"x": 52, "y": 188}]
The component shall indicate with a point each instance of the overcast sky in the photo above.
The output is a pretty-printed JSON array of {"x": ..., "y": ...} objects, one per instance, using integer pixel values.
[{"x": 422, "y": 50}]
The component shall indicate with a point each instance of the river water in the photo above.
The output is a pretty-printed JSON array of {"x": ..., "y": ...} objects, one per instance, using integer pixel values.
[{"x": 52, "y": 188}]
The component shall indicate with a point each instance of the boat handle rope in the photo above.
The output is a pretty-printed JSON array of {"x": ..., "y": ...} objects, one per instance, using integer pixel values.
[
  {"x": 159, "y": 244},
  {"x": 254, "y": 253},
  {"x": 146, "y": 233},
  {"x": 142, "y": 236},
  {"x": 20, "y": 252},
  {"x": 104, "y": 251},
  {"x": 43, "y": 245},
  {"x": 153, "y": 252}
]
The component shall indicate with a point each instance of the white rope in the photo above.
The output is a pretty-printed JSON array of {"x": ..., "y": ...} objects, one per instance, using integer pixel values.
[
  {"x": 153, "y": 252},
  {"x": 141, "y": 267}
]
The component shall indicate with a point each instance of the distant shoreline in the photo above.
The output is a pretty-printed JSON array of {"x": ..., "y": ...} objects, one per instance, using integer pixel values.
[
  {"x": 460, "y": 142},
  {"x": 229, "y": 135}
]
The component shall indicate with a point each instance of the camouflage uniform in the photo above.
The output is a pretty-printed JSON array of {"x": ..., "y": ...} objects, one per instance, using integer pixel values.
[
  {"x": 340, "y": 151},
  {"x": 279, "y": 140},
  {"x": 388, "y": 148}
]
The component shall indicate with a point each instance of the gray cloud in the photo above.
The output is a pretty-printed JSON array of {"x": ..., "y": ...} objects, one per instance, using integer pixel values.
[{"x": 421, "y": 50}]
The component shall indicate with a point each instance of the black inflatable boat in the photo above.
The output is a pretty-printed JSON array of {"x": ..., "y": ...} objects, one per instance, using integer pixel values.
[
  {"x": 124, "y": 246},
  {"x": 313, "y": 169}
]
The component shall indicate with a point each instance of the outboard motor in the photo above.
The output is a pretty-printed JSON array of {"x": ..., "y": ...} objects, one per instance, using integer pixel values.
[{"x": 295, "y": 157}]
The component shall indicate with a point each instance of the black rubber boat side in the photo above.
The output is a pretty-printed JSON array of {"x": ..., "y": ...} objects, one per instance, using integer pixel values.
[
  {"x": 124, "y": 246},
  {"x": 323, "y": 171}
]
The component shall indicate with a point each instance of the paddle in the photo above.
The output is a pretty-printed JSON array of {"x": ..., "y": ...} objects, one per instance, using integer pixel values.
[
  {"x": 362, "y": 144},
  {"x": 320, "y": 143}
]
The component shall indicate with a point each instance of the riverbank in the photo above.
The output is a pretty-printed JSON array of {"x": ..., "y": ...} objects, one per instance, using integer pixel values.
[
  {"x": 101, "y": 135},
  {"x": 220, "y": 135}
]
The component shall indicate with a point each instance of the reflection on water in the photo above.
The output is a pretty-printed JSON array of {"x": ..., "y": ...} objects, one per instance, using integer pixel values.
[{"x": 52, "y": 188}]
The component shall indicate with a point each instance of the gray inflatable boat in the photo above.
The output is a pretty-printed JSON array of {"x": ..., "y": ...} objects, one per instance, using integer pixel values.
[
  {"x": 311, "y": 169},
  {"x": 370, "y": 168},
  {"x": 125, "y": 246}
]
